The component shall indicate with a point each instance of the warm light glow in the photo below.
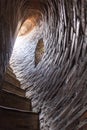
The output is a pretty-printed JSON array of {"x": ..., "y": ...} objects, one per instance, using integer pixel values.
[{"x": 26, "y": 27}]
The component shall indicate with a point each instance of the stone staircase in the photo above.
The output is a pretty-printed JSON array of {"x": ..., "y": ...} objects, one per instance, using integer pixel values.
[{"x": 15, "y": 109}]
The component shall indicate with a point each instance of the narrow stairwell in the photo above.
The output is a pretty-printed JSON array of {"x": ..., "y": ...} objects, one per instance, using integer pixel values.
[{"x": 15, "y": 109}]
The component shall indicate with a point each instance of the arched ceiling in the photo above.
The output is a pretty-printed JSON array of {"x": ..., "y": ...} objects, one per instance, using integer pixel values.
[{"x": 58, "y": 84}]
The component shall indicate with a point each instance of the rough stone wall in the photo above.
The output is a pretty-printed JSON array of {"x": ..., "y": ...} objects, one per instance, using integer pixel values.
[
  {"x": 10, "y": 15},
  {"x": 58, "y": 84},
  {"x": 39, "y": 51}
]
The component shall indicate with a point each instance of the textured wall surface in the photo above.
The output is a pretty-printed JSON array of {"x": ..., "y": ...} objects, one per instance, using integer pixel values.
[{"x": 58, "y": 84}]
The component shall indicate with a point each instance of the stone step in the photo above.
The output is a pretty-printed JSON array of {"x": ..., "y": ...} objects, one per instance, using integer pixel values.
[
  {"x": 10, "y": 69},
  {"x": 12, "y": 80},
  {"x": 14, "y": 101},
  {"x": 10, "y": 72},
  {"x": 13, "y": 89},
  {"x": 13, "y": 119}
]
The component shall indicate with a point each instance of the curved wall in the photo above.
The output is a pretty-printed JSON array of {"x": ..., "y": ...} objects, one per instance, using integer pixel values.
[{"x": 58, "y": 84}]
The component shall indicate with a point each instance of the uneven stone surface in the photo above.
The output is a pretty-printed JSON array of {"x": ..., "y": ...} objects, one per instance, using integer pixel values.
[{"x": 57, "y": 86}]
